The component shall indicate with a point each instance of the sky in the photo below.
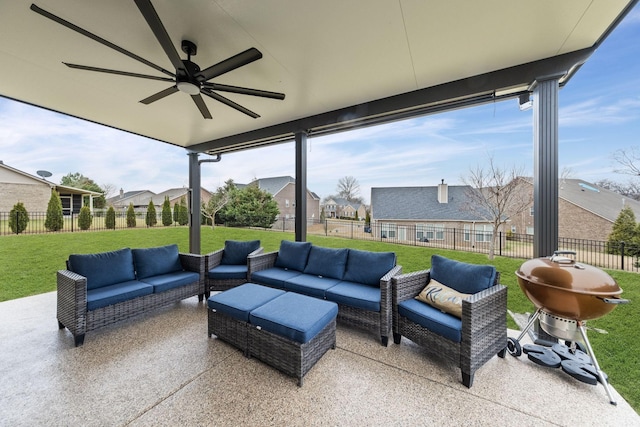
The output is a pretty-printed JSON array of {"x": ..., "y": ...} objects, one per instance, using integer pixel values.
[{"x": 599, "y": 113}]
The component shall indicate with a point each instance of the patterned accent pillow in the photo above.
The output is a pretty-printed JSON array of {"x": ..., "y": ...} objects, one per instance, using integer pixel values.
[{"x": 442, "y": 297}]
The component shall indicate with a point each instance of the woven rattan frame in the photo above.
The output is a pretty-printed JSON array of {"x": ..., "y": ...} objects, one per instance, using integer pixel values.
[
  {"x": 214, "y": 259},
  {"x": 228, "y": 329},
  {"x": 291, "y": 357},
  {"x": 72, "y": 310},
  {"x": 484, "y": 325},
  {"x": 373, "y": 321}
]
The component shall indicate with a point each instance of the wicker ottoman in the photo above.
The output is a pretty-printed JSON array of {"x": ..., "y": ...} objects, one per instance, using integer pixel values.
[
  {"x": 228, "y": 313},
  {"x": 292, "y": 332}
]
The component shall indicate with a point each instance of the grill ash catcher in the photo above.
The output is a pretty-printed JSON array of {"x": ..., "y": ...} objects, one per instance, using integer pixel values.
[{"x": 566, "y": 294}]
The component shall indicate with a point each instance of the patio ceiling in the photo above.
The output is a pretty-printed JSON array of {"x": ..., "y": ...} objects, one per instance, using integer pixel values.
[{"x": 342, "y": 64}]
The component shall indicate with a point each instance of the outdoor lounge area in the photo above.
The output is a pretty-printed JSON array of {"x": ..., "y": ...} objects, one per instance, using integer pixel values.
[{"x": 163, "y": 369}]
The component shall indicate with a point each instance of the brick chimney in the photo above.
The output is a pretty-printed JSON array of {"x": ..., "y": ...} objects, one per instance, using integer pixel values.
[{"x": 443, "y": 192}]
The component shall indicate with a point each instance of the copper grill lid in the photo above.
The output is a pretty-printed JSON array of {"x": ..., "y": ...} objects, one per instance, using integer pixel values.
[{"x": 564, "y": 273}]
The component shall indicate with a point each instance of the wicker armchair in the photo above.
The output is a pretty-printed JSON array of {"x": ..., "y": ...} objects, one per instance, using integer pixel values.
[
  {"x": 483, "y": 324},
  {"x": 220, "y": 275}
]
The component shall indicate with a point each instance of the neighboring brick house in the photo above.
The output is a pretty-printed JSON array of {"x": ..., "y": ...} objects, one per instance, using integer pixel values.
[
  {"x": 35, "y": 192},
  {"x": 283, "y": 190},
  {"x": 585, "y": 210},
  {"x": 399, "y": 212},
  {"x": 337, "y": 207}
]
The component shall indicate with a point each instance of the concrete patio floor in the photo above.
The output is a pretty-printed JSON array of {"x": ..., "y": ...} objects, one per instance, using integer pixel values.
[{"x": 162, "y": 369}]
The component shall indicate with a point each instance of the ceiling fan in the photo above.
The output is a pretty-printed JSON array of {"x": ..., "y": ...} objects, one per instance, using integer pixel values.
[{"x": 188, "y": 76}]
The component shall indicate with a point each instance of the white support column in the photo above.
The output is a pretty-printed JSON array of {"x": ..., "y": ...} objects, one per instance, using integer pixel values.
[{"x": 545, "y": 166}]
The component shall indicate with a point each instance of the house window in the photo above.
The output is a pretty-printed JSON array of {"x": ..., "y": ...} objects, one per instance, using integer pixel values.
[
  {"x": 388, "y": 230},
  {"x": 483, "y": 232},
  {"x": 467, "y": 232},
  {"x": 530, "y": 231},
  {"x": 421, "y": 232},
  {"x": 531, "y": 211},
  {"x": 433, "y": 231}
]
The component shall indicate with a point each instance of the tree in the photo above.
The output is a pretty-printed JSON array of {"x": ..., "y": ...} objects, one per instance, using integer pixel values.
[
  {"x": 131, "y": 216},
  {"x": 110, "y": 219},
  {"x": 348, "y": 188},
  {"x": 77, "y": 180},
  {"x": 496, "y": 195},
  {"x": 151, "y": 219},
  {"x": 183, "y": 212},
  {"x": 250, "y": 207},
  {"x": 217, "y": 201},
  {"x": 628, "y": 161},
  {"x": 631, "y": 189},
  {"x": 623, "y": 230},
  {"x": 167, "y": 219},
  {"x": 54, "y": 220},
  {"x": 84, "y": 218},
  {"x": 18, "y": 218}
]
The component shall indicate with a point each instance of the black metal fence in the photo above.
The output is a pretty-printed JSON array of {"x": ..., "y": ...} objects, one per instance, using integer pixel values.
[{"x": 593, "y": 252}]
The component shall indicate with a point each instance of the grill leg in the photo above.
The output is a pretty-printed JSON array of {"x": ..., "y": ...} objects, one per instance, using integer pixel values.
[
  {"x": 601, "y": 375},
  {"x": 530, "y": 324}
]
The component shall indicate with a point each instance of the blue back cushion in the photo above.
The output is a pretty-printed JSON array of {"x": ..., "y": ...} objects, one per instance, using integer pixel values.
[
  {"x": 155, "y": 261},
  {"x": 104, "y": 268},
  {"x": 326, "y": 262},
  {"x": 463, "y": 277},
  {"x": 368, "y": 267},
  {"x": 236, "y": 252},
  {"x": 293, "y": 255}
]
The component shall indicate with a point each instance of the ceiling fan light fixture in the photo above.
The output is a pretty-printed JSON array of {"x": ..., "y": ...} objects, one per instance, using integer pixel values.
[{"x": 188, "y": 87}]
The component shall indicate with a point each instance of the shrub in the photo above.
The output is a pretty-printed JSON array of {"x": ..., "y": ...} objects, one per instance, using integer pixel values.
[
  {"x": 84, "y": 218},
  {"x": 183, "y": 213},
  {"x": 55, "y": 220},
  {"x": 151, "y": 219},
  {"x": 167, "y": 220},
  {"x": 131, "y": 216},
  {"x": 18, "y": 218},
  {"x": 110, "y": 219}
]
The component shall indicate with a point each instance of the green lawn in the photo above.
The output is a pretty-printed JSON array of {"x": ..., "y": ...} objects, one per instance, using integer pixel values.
[{"x": 29, "y": 263}]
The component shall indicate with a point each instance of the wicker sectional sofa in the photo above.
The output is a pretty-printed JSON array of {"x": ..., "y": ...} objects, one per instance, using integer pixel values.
[
  {"x": 99, "y": 289},
  {"x": 358, "y": 281}
]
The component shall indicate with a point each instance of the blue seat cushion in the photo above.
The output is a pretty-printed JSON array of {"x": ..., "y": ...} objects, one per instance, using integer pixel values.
[
  {"x": 104, "y": 268},
  {"x": 235, "y": 252},
  {"x": 443, "y": 324},
  {"x": 310, "y": 285},
  {"x": 293, "y": 316},
  {"x": 238, "y": 302},
  {"x": 273, "y": 276},
  {"x": 326, "y": 262},
  {"x": 164, "y": 282},
  {"x": 223, "y": 272},
  {"x": 355, "y": 295},
  {"x": 368, "y": 267},
  {"x": 293, "y": 255},
  {"x": 156, "y": 261},
  {"x": 461, "y": 276},
  {"x": 113, "y": 294}
]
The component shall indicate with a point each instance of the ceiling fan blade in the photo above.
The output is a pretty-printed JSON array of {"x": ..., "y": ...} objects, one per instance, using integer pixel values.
[
  {"x": 97, "y": 38},
  {"x": 152, "y": 18},
  {"x": 236, "y": 61},
  {"x": 120, "y": 73},
  {"x": 201, "y": 106},
  {"x": 160, "y": 95},
  {"x": 230, "y": 103},
  {"x": 244, "y": 90}
]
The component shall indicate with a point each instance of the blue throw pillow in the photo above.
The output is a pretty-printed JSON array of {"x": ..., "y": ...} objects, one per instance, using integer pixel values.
[
  {"x": 155, "y": 261},
  {"x": 105, "y": 268},
  {"x": 236, "y": 252},
  {"x": 293, "y": 255},
  {"x": 368, "y": 267},
  {"x": 327, "y": 262},
  {"x": 461, "y": 276}
]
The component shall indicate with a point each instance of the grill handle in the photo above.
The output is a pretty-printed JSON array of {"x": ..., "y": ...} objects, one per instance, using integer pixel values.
[
  {"x": 558, "y": 258},
  {"x": 614, "y": 300}
]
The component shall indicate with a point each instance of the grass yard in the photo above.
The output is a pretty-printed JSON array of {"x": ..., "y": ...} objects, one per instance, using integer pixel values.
[{"x": 29, "y": 264}]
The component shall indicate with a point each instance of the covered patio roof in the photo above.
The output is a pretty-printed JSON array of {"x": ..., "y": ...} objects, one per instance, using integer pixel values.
[{"x": 340, "y": 64}]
